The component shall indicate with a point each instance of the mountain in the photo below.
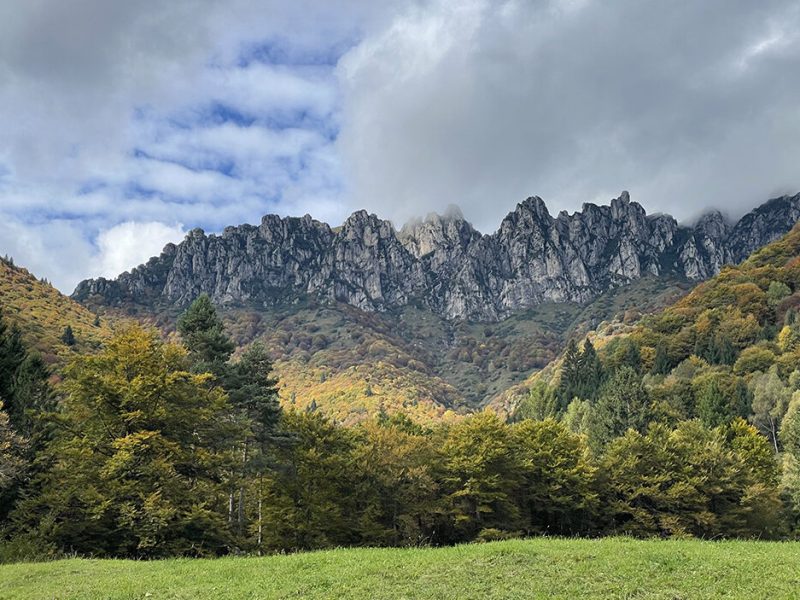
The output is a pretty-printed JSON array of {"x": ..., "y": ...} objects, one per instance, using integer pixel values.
[
  {"x": 729, "y": 330},
  {"x": 435, "y": 319},
  {"x": 42, "y": 313},
  {"x": 442, "y": 264}
]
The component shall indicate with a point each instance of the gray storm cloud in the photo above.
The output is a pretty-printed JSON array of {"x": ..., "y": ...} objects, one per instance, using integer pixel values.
[{"x": 688, "y": 105}]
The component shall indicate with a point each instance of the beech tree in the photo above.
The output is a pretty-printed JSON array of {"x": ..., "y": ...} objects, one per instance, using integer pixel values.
[
  {"x": 481, "y": 476},
  {"x": 137, "y": 461},
  {"x": 557, "y": 494}
]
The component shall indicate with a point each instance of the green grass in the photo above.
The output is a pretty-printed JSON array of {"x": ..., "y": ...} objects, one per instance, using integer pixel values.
[{"x": 539, "y": 568}]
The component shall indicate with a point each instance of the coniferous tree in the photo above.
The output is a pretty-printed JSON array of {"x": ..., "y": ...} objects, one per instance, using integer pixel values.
[
  {"x": 23, "y": 385},
  {"x": 12, "y": 355},
  {"x": 68, "y": 337},
  {"x": 713, "y": 407},
  {"x": 542, "y": 402},
  {"x": 253, "y": 395},
  {"x": 591, "y": 372},
  {"x": 661, "y": 363},
  {"x": 623, "y": 404},
  {"x": 203, "y": 335},
  {"x": 632, "y": 357},
  {"x": 569, "y": 385}
]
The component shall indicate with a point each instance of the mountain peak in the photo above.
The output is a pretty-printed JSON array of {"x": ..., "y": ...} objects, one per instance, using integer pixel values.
[{"x": 442, "y": 262}]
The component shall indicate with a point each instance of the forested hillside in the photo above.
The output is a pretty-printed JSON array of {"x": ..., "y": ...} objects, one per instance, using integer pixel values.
[
  {"x": 682, "y": 423},
  {"x": 43, "y": 314},
  {"x": 352, "y": 364}
]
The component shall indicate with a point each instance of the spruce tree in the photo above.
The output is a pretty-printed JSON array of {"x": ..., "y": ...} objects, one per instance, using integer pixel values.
[
  {"x": 661, "y": 363},
  {"x": 623, "y": 404},
  {"x": 590, "y": 374},
  {"x": 204, "y": 336},
  {"x": 68, "y": 337},
  {"x": 569, "y": 385},
  {"x": 713, "y": 406}
]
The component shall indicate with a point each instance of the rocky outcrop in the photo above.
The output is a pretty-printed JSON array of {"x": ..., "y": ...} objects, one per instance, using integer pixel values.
[{"x": 442, "y": 262}]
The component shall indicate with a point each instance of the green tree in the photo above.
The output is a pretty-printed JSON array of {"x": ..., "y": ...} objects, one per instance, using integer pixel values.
[
  {"x": 23, "y": 384},
  {"x": 398, "y": 487},
  {"x": 632, "y": 357},
  {"x": 661, "y": 362},
  {"x": 569, "y": 385},
  {"x": 541, "y": 403},
  {"x": 12, "y": 448},
  {"x": 203, "y": 334},
  {"x": 591, "y": 373},
  {"x": 623, "y": 404},
  {"x": 481, "y": 476},
  {"x": 68, "y": 337},
  {"x": 310, "y": 501},
  {"x": 578, "y": 417},
  {"x": 692, "y": 480},
  {"x": 777, "y": 291},
  {"x": 713, "y": 407},
  {"x": 253, "y": 395},
  {"x": 790, "y": 427},
  {"x": 556, "y": 494},
  {"x": 136, "y": 466}
]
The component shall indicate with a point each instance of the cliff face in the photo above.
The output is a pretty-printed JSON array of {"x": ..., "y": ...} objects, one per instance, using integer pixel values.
[{"x": 442, "y": 262}]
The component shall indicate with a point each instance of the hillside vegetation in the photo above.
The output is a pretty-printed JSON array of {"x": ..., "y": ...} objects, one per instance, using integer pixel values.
[
  {"x": 353, "y": 365},
  {"x": 42, "y": 313},
  {"x": 537, "y": 568}
]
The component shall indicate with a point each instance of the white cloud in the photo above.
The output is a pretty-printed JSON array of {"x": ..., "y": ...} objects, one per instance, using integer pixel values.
[
  {"x": 130, "y": 244},
  {"x": 122, "y": 119}
]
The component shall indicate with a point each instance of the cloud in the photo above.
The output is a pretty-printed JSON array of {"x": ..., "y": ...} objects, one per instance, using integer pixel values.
[
  {"x": 123, "y": 119},
  {"x": 130, "y": 244},
  {"x": 483, "y": 103}
]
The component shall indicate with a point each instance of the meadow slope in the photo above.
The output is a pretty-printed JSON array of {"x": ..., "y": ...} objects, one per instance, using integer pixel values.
[{"x": 537, "y": 568}]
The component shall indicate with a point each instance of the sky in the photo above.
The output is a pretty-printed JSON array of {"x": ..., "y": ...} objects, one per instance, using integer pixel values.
[{"x": 125, "y": 124}]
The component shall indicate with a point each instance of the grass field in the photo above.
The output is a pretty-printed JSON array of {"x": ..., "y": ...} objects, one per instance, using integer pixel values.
[{"x": 540, "y": 568}]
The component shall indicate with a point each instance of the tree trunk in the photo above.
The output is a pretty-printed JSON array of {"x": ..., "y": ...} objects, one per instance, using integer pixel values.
[
  {"x": 240, "y": 513},
  {"x": 260, "y": 514}
]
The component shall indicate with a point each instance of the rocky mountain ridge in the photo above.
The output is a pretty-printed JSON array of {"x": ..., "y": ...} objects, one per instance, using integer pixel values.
[{"x": 442, "y": 263}]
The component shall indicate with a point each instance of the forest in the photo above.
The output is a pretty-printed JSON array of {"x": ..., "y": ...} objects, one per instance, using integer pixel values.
[{"x": 686, "y": 426}]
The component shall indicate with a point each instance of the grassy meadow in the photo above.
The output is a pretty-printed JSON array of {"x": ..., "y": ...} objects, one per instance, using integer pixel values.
[{"x": 536, "y": 568}]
